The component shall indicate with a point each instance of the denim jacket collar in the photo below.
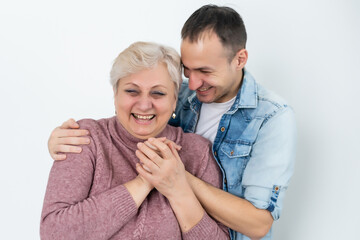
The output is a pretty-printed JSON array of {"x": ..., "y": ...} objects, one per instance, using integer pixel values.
[
  {"x": 247, "y": 96},
  {"x": 195, "y": 104}
]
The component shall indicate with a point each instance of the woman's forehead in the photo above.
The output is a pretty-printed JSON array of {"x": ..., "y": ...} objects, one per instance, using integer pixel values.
[{"x": 149, "y": 78}]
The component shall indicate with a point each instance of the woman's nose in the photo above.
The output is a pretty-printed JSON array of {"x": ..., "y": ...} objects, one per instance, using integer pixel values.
[{"x": 144, "y": 103}]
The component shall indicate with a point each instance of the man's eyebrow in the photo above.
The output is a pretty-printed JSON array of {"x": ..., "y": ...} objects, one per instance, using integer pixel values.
[
  {"x": 199, "y": 68},
  {"x": 204, "y": 69}
]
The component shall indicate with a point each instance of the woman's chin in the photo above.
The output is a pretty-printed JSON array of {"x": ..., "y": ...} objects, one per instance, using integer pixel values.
[{"x": 142, "y": 133}]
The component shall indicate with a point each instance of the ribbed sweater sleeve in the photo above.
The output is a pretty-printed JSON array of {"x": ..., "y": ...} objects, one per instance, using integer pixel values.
[
  {"x": 208, "y": 228},
  {"x": 69, "y": 212}
]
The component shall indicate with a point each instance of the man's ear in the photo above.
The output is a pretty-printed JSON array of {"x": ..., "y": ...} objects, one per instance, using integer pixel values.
[{"x": 241, "y": 58}]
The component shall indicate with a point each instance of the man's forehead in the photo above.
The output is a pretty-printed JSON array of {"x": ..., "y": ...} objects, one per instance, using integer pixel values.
[
  {"x": 202, "y": 51},
  {"x": 208, "y": 41}
]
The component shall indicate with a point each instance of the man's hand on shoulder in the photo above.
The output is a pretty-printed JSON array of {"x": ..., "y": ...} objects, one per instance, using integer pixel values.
[{"x": 66, "y": 138}]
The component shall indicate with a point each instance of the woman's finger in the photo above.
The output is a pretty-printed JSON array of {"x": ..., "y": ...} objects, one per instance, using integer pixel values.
[
  {"x": 175, "y": 152},
  {"x": 147, "y": 164},
  {"x": 144, "y": 173},
  {"x": 168, "y": 141},
  {"x": 162, "y": 147},
  {"x": 150, "y": 153}
]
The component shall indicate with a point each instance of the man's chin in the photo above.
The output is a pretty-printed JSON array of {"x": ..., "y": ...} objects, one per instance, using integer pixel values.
[{"x": 205, "y": 99}]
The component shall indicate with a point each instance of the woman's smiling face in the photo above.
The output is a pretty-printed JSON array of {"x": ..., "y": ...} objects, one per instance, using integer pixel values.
[{"x": 144, "y": 101}]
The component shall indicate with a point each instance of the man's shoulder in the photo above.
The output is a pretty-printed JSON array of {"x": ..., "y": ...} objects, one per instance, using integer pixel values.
[
  {"x": 268, "y": 103},
  {"x": 267, "y": 96}
]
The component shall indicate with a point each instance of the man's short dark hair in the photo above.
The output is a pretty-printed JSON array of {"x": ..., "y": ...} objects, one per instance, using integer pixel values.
[{"x": 224, "y": 21}]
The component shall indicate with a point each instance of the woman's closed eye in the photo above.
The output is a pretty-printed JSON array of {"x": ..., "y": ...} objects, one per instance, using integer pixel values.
[
  {"x": 131, "y": 91},
  {"x": 158, "y": 93}
]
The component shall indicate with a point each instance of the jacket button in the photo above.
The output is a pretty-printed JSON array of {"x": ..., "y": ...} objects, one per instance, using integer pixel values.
[
  {"x": 231, "y": 153},
  {"x": 222, "y": 129},
  {"x": 225, "y": 181}
]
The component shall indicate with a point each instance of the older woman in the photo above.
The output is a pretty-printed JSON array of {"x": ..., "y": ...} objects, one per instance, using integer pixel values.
[{"x": 99, "y": 194}]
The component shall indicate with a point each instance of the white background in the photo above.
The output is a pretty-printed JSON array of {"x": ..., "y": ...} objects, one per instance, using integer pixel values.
[{"x": 55, "y": 58}]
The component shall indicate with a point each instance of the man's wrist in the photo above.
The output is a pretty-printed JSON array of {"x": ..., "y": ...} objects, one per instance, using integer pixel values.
[{"x": 191, "y": 179}]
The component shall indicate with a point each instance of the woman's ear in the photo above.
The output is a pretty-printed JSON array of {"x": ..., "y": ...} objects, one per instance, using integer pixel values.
[
  {"x": 174, "y": 108},
  {"x": 115, "y": 99}
]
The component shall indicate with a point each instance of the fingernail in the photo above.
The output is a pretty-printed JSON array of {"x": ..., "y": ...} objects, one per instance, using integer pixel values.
[
  {"x": 78, "y": 150},
  {"x": 151, "y": 139},
  {"x": 87, "y": 140},
  {"x": 139, "y": 144}
]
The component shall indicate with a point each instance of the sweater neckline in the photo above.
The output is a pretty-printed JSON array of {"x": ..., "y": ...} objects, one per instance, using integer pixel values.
[{"x": 119, "y": 133}]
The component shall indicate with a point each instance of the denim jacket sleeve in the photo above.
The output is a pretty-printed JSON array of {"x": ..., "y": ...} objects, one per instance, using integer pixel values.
[{"x": 271, "y": 163}]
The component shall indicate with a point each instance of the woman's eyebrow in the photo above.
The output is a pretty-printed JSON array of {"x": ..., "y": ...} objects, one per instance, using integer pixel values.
[
  {"x": 131, "y": 83},
  {"x": 159, "y": 86}
]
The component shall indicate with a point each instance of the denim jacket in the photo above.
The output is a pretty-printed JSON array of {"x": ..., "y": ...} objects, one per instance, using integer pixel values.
[{"x": 254, "y": 145}]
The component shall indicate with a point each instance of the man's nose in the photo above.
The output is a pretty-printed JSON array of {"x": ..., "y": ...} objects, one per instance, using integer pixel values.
[{"x": 194, "y": 81}]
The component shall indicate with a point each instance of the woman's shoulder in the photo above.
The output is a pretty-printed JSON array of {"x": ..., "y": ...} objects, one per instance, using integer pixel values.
[
  {"x": 89, "y": 123},
  {"x": 195, "y": 151},
  {"x": 97, "y": 128},
  {"x": 195, "y": 140}
]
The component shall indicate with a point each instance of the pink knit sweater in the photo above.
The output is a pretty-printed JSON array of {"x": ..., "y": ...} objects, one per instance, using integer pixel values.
[{"x": 85, "y": 197}]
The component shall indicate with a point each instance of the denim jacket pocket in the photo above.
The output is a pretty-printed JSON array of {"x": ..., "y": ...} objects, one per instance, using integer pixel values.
[
  {"x": 236, "y": 150},
  {"x": 234, "y": 159}
]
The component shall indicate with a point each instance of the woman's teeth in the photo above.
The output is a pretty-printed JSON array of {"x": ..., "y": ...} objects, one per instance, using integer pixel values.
[{"x": 143, "y": 117}]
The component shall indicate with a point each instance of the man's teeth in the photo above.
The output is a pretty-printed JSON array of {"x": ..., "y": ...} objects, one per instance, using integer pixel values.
[
  {"x": 203, "y": 89},
  {"x": 148, "y": 117}
]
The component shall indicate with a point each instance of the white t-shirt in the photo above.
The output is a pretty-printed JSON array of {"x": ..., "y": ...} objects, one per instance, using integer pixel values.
[{"x": 210, "y": 116}]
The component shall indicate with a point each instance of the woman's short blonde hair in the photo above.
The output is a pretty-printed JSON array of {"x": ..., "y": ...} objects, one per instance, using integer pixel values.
[{"x": 144, "y": 55}]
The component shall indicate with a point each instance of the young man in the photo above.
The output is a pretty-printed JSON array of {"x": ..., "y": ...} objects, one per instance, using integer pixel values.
[{"x": 252, "y": 130}]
